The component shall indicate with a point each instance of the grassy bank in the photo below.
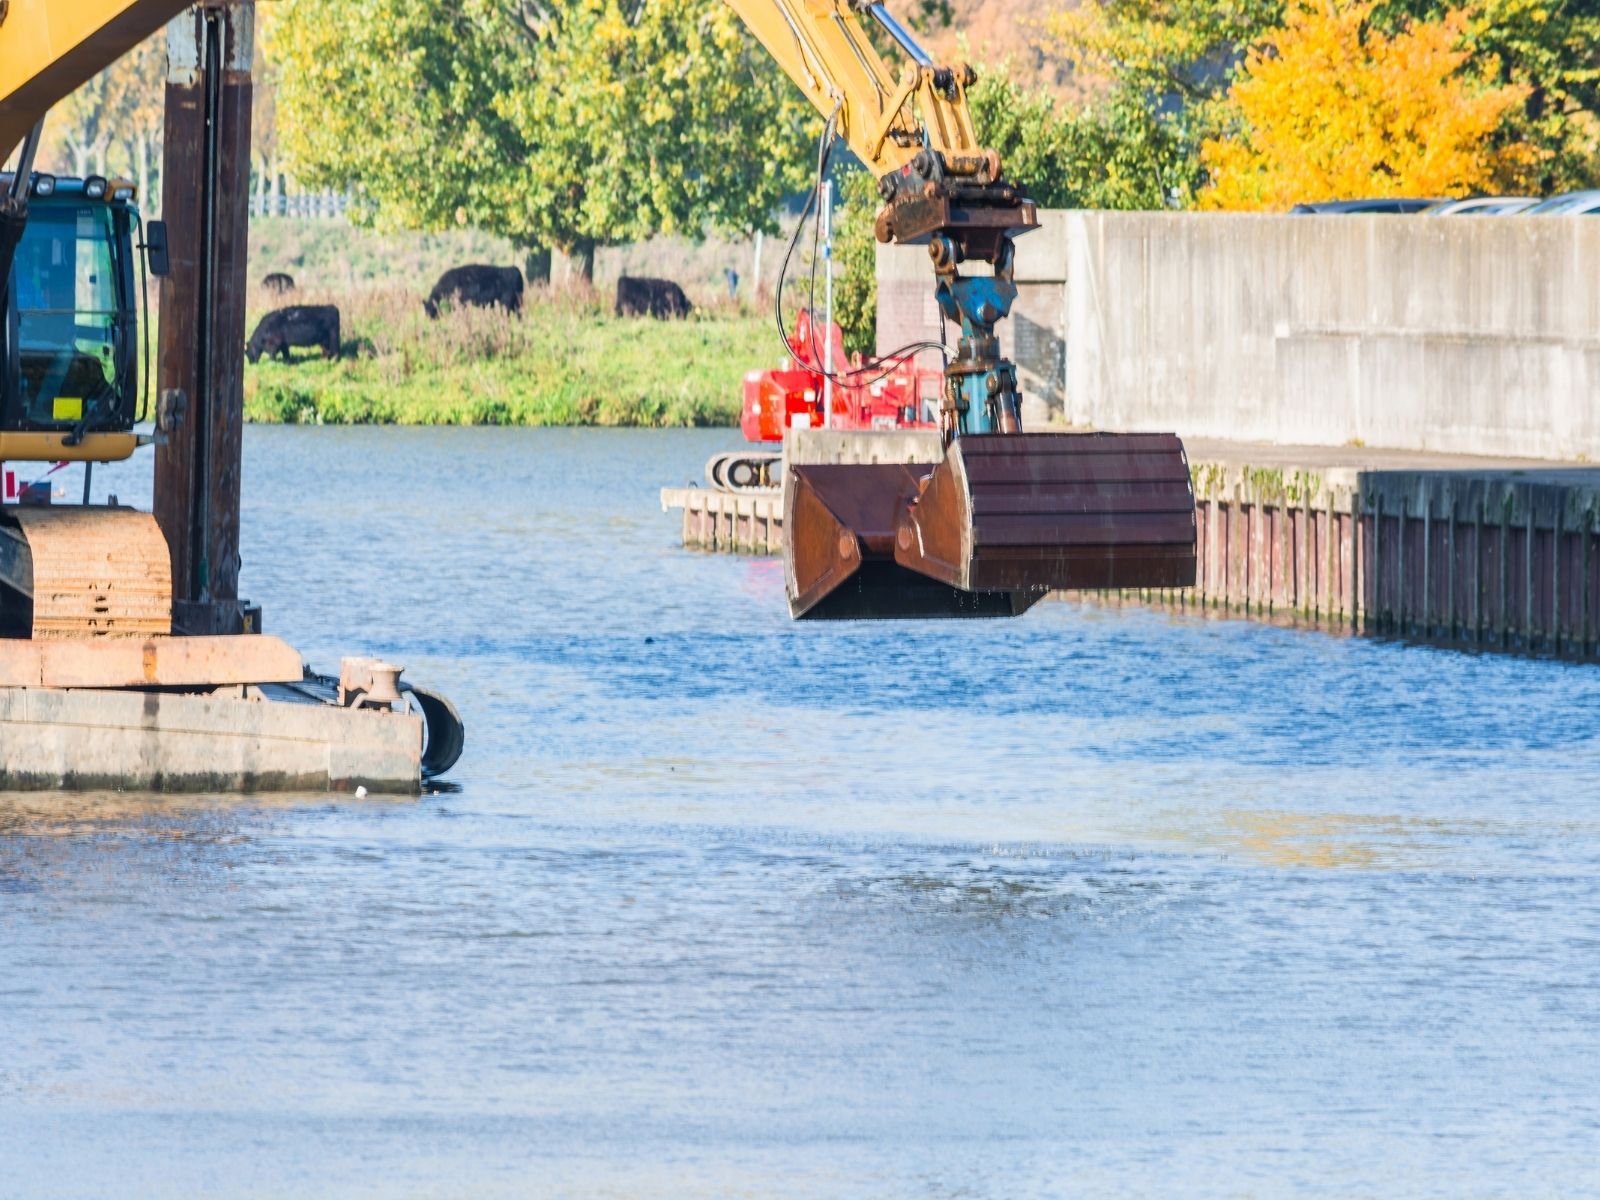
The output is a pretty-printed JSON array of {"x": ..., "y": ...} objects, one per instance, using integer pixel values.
[{"x": 565, "y": 361}]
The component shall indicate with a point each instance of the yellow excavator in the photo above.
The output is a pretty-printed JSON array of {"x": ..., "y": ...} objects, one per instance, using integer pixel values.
[
  {"x": 1004, "y": 518},
  {"x": 73, "y": 253}
]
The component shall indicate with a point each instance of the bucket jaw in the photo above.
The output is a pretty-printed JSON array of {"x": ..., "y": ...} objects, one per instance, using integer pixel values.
[
  {"x": 988, "y": 531},
  {"x": 840, "y": 527},
  {"x": 1054, "y": 510}
]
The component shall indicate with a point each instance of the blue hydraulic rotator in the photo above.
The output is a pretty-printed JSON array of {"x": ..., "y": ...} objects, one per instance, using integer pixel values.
[{"x": 980, "y": 386}]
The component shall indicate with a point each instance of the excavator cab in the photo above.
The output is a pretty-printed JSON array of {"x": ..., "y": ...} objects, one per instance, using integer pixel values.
[
  {"x": 69, "y": 349},
  {"x": 69, "y": 390}
]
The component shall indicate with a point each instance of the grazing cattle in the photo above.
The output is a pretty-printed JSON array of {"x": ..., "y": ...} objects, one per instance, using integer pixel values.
[
  {"x": 297, "y": 325},
  {"x": 477, "y": 286},
  {"x": 659, "y": 298},
  {"x": 278, "y": 282}
]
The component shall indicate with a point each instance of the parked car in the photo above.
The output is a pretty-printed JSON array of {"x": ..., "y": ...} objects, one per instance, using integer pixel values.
[
  {"x": 1481, "y": 206},
  {"x": 1567, "y": 204},
  {"x": 1392, "y": 204}
]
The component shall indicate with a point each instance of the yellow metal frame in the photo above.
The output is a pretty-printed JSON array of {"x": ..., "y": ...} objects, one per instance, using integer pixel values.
[
  {"x": 51, "y": 447},
  {"x": 822, "y": 46},
  {"x": 49, "y": 47}
]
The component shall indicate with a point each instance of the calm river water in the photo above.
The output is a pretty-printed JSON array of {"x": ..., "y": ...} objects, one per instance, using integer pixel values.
[{"x": 1095, "y": 903}]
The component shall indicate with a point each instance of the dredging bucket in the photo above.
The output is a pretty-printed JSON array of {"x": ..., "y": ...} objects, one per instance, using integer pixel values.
[{"x": 1002, "y": 520}]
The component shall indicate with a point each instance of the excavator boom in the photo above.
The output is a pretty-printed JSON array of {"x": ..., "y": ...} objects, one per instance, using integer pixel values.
[{"x": 48, "y": 48}]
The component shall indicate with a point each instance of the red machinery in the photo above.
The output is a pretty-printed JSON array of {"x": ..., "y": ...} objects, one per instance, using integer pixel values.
[{"x": 893, "y": 396}]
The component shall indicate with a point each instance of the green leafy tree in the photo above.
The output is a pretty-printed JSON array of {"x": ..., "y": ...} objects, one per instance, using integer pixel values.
[
  {"x": 1176, "y": 59},
  {"x": 1116, "y": 152},
  {"x": 1551, "y": 48},
  {"x": 1158, "y": 70},
  {"x": 575, "y": 124},
  {"x": 855, "y": 248}
]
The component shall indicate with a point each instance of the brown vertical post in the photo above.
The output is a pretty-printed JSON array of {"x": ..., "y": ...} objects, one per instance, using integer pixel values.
[
  {"x": 1556, "y": 539},
  {"x": 1586, "y": 591},
  {"x": 1375, "y": 572},
  {"x": 205, "y": 185},
  {"x": 1426, "y": 605},
  {"x": 1478, "y": 584},
  {"x": 1358, "y": 560},
  {"x": 1450, "y": 561}
]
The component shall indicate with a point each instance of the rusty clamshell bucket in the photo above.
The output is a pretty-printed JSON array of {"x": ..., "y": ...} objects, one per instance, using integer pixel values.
[{"x": 1002, "y": 520}]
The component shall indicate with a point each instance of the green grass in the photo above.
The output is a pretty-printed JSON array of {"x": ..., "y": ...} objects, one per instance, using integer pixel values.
[{"x": 565, "y": 361}]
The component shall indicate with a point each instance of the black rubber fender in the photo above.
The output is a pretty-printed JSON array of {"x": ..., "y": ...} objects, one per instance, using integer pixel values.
[{"x": 444, "y": 734}]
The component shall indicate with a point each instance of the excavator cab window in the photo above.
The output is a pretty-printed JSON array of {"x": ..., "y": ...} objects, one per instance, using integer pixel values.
[{"x": 72, "y": 358}]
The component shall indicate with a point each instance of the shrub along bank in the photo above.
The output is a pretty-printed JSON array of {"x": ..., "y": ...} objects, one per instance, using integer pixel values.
[{"x": 564, "y": 361}]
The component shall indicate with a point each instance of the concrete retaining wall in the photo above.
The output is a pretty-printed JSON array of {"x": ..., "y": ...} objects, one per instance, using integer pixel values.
[{"x": 1468, "y": 335}]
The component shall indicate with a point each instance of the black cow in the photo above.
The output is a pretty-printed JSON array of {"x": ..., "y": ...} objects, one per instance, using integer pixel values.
[
  {"x": 278, "y": 282},
  {"x": 477, "y": 285},
  {"x": 659, "y": 298},
  {"x": 297, "y": 325}
]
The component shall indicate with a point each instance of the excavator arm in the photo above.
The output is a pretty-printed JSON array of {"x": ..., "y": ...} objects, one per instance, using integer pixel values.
[
  {"x": 940, "y": 187},
  {"x": 824, "y": 48},
  {"x": 1006, "y": 516},
  {"x": 48, "y": 48}
]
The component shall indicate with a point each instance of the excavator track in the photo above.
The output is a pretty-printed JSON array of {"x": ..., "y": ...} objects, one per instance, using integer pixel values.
[{"x": 70, "y": 572}]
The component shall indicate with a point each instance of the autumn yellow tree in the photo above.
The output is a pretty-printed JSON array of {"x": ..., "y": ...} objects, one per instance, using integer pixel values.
[
  {"x": 112, "y": 124},
  {"x": 1329, "y": 107}
]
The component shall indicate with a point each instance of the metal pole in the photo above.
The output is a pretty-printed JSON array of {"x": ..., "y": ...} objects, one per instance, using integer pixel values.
[
  {"x": 827, "y": 304},
  {"x": 755, "y": 271}
]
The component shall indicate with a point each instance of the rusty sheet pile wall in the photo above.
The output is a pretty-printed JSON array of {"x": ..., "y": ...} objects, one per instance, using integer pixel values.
[
  {"x": 1496, "y": 559},
  {"x": 728, "y": 523},
  {"x": 1500, "y": 560}
]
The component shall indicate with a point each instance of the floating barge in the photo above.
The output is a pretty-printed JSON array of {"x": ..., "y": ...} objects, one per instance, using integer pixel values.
[
  {"x": 1501, "y": 554},
  {"x": 211, "y": 714}
]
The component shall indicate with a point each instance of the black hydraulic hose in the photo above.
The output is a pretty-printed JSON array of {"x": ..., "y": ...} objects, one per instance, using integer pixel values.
[{"x": 896, "y": 357}]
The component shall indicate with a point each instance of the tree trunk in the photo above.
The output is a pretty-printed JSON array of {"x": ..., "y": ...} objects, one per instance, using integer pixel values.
[
  {"x": 582, "y": 257},
  {"x": 536, "y": 264}
]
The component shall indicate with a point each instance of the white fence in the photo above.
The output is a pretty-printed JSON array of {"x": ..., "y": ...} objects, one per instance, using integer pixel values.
[{"x": 325, "y": 205}]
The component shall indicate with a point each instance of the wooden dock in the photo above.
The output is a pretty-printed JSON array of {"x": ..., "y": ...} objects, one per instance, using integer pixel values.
[
  {"x": 1498, "y": 554},
  {"x": 728, "y": 522}
]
